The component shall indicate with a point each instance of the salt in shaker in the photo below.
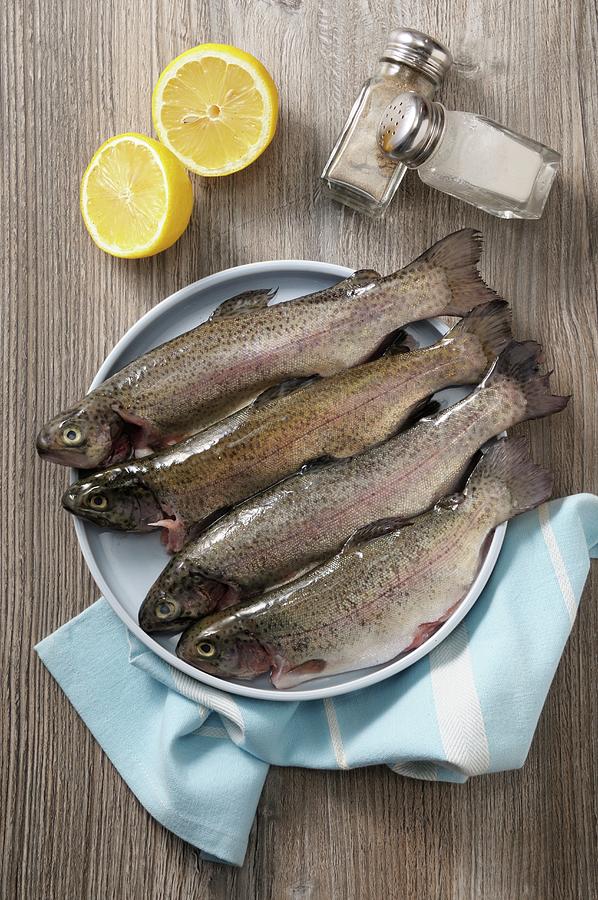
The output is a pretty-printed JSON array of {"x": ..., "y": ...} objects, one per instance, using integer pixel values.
[
  {"x": 358, "y": 173},
  {"x": 469, "y": 156}
]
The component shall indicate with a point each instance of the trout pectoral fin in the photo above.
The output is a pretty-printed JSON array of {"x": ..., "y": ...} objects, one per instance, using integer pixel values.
[
  {"x": 427, "y": 629},
  {"x": 282, "y": 676},
  {"x": 142, "y": 433},
  {"x": 173, "y": 439},
  {"x": 174, "y": 534}
]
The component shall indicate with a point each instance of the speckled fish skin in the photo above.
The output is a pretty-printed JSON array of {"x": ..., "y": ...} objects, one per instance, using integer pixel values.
[
  {"x": 308, "y": 517},
  {"x": 336, "y": 417},
  {"x": 209, "y": 372},
  {"x": 378, "y": 598}
]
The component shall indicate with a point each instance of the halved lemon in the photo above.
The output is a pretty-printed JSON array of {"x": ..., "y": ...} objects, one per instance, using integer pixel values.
[
  {"x": 216, "y": 107},
  {"x": 136, "y": 197}
]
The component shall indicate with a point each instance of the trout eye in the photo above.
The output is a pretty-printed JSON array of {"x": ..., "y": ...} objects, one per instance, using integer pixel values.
[
  {"x": 166, "y": 609},
  {"x": 98, "y": 501},
  {"x": 205, "y": 649},
  {"x": 72, "y": 436}
]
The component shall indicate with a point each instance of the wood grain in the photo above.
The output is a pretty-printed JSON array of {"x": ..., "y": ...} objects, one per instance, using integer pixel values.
[{"x": 71, "y": 74}]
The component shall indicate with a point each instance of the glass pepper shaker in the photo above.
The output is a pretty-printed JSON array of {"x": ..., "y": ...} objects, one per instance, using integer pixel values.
[
  {"x": 358, "y": 173},
  {"x": 469, "y": 157}
]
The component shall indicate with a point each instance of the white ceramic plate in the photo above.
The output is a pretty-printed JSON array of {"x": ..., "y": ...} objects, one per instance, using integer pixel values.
[{"x": 125, "y": 565}]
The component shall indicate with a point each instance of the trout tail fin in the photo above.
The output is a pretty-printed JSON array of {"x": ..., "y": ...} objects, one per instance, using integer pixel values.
[
  {"x": 458, "y": 255},
  {"x": 490, "y": 324},
  {"x": 519, "y": 364},
  {"x": 508, "y": 463}
]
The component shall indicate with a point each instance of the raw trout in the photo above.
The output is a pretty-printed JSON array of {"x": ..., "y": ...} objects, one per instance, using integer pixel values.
[
  {"x": 334, "y": 417},
  {"x": 247, "y": 346},
  {"x": 308, "y": 517},
  {"x": 382, "y": 596}
]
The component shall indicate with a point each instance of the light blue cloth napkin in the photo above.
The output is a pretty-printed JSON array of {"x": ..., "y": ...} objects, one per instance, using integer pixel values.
[{"x": 197, "y": 757}]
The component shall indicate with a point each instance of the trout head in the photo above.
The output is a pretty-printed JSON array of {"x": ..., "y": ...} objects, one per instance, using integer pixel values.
[
  {"x": 114, "y": 498},
  {"x": 181, "y": 595},
  {"x": 223, "y": 645},
  {"x": 85, "y": 437}
]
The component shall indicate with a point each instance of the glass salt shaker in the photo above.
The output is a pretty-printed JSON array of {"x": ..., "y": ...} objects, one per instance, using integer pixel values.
[
  {"x": 358, "y": 173},
  {"x": 469, "y": 157}
]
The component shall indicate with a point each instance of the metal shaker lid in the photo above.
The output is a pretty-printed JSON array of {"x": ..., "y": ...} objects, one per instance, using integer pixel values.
[
  {"x": 420, "y": 51},
  {"x": 410, "y": 128}
]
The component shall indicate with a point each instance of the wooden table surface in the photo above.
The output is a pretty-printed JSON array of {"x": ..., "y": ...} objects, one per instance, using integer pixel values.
[{"x": 72, "y": 74}]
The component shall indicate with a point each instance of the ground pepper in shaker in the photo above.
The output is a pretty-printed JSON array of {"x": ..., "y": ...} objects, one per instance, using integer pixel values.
[
  {"x": 470, "y": 157},
  {"x": 358, "y": 173}
]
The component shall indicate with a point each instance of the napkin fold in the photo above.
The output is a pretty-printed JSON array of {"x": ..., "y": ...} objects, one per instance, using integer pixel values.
[{"x": 197, "y": 757}]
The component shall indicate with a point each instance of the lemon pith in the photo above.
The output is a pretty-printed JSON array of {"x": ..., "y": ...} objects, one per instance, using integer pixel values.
[
  {"x": 136, "y": 197},
  {"x": 216, "y": 108}
]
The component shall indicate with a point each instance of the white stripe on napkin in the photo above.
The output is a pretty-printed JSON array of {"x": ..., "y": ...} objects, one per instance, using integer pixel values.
[
  {"x": 558, "y": 563},
  {"x": 232, "y": 718},
  {"x": 458, "y": 709},
  {"x": 335, "y": 734},
  {"x": 416, "y": 769},
  {"x": 213, "y": 731}
]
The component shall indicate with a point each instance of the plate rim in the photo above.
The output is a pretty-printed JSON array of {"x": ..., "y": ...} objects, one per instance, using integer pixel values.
[{"x": 258, "y": 693}]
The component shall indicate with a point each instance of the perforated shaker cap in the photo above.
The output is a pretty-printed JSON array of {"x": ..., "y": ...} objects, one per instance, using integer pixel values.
[
  {"x": 420, "y": 51},
  {"x": 410, "y": 128}
]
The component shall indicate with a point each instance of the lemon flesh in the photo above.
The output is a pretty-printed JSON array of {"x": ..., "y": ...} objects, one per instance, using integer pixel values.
[
  {"x": 136, "y": 197},
  {"x": 216, "y": 108}
]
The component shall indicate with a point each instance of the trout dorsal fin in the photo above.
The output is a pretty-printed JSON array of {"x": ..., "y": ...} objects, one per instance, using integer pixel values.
[
  {"x": 399, "y": 342},
  {"x": 320, "y": 462},
  {"x": 422, "y": 410},
  {"x": 360, "y": 281},
  {"x": 260, "y": 298},
  {"x": 282, "y": 389},
  {"x": 244, "y": 302},
  {"x": 364, "y": 276},
  {"x": 394, "y": 343},
  {"x": 376, "y": 529}
]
